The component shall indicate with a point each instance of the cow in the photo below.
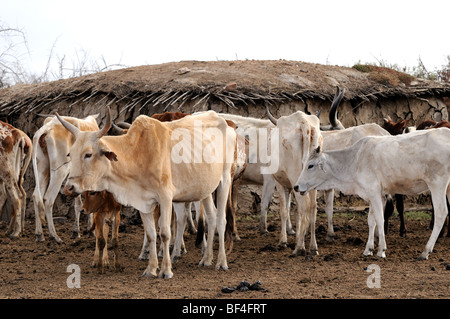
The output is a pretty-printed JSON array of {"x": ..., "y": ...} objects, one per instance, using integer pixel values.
[
  {"x": 334, "y": 140},
  {"x": 369, "y": 169},
  {"x": 15, "y": 155},
  {"x": 401, "y": 128},
  {"x": 155, "y": 164},
  {"x": 50, "y": 165},
  {"x": 252, "y": 128},
  {"x": 183, "y": 211},
  {"x": 298, "y": 135},
  {"x": 106, "y": 211}
]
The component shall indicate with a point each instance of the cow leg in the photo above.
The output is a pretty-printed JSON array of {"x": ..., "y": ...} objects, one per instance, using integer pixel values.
[
  {"x": 105, "y": 258},
  {"x": 197, "y": 217},
  {"x": 15, "y": 196},
  {"x": 56, "y": 180},
  {"x": 388, "y": 210},
  {"x": 401, "y": 212},
  {"x": 302, "y": 220},
  {"x": 267, "y": 193},
  {"x": 329, "y": 199},
  {"x": 438, "y": 194},
  {"x": 115, "y": 241},
  {"x": 234, "y": 202},
  {"x": 41, "y": 171},
  {"x": 378, "y": 205},
  {"x": 283, "y": 195},
  {"x": 180, "y": 213},
  {"x": 448, "y": 214},
  {"x": 150, "y": 231},
  {"x": 97, "y": 233},
  {"x": 145, "y": 249},
  {"x": 289, "y": 229},
  {"x": 165, "y": 234},
  {"x": 210, "y": 215},
  {"x": 190, "y": 221},
  {"x": 312, "y": 219},
  {"x": 223, "y": 199},
  {"x": 3, "y": 197},
  {"x": 370, "y": 241},
  {"x": 77, "y": 208}
]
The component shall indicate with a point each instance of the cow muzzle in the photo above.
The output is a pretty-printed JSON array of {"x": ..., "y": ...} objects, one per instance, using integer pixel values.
[
  {"x": 70, "y": 190},
  {"x": 297, "y": 189}
]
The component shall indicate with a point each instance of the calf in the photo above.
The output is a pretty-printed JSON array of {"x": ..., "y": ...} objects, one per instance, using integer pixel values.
[
  {"x": 106, "y": 211},
  {"x": 370, "y": 170},
  {"x": 15, "y": 156}
]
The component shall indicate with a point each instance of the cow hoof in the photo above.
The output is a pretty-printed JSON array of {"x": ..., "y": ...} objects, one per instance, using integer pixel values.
[
  {"x": 75, "y": 235},
  {"x": 205, "y": 262},
  {"x": 119, "y": 268},
  {"x": 368, "y": 252},
  {"x": 422, "y": 257},
  {"x": 13, "y": 237},
  {"x": 165, "y": 275},
  {"x": 299, "y": 252},
  {"x": 57, "y": 239},
  {"x": 143, "y": 256},
  {"x": 149, "y": 274},
  {"x": 40, "y": 238},
  {"x": 314, "y": 252},
  {"x": 223, "y": 267}
]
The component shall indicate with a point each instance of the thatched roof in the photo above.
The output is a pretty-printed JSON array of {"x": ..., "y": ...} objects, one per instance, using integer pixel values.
[{"x": 234, "y": 83}]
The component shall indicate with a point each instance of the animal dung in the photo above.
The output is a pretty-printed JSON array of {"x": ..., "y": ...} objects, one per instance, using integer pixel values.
[{"x": 244, "y": 286}]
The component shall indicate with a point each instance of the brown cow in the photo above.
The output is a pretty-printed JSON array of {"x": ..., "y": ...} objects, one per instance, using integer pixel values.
[
  {"x": 15, "y": 156},
  {"x": 105, "y": 209}
]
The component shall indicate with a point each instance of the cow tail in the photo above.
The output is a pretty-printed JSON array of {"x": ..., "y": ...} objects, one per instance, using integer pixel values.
[
  {"x": 200, "y": 227},
  {"x": 229, "y": 228}
]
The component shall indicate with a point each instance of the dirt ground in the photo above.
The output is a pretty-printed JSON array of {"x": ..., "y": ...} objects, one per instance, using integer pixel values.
[{"x": 39, "y": 270}]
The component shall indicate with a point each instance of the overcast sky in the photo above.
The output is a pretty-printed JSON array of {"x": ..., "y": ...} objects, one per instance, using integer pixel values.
[{"x": 132, "y": 32}]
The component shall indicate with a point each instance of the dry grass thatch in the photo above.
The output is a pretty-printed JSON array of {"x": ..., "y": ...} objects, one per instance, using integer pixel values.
[{"x": 234, "y": 83}]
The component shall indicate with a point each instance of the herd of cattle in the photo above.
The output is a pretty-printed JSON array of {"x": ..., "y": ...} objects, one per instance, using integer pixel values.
[{"x": 134, "y": 165}]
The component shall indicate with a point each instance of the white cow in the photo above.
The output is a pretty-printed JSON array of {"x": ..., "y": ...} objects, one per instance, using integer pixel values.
[
  {"x": 51, "y": 166},
  {"x": 251, "y": 128},
  {"x": 370, "y": 169},
  {"x": 335, "y": 140}
]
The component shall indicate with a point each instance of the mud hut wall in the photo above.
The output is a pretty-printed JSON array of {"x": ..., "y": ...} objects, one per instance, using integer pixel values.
[{"x": 351, "y": 113}]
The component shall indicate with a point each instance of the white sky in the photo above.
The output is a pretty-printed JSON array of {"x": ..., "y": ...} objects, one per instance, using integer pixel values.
[{"x": 133, "y": 32}]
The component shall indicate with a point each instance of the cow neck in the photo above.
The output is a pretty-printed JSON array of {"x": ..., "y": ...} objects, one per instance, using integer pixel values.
[{"x": 341, "y": 168}]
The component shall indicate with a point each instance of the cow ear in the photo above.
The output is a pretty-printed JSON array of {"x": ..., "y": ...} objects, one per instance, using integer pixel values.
[
  {"x": 110, "y": 155},
  {"x": 318, "y": 150}
]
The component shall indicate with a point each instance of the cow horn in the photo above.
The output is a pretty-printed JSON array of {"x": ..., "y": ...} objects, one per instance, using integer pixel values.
[
  {"x": 107, "y": 125},
  {"x": 333, "y": 110},
  {"x": 116, "y": 130},
  {"x": 70, "y": 127},
  {"x": 270, "y": 116}
]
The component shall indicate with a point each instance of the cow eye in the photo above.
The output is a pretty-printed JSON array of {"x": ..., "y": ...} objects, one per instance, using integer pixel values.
[
  {"x": 310, "y": 166},
  {"x": 87, "y": 155},
  {"x": 68, "y": 155}
]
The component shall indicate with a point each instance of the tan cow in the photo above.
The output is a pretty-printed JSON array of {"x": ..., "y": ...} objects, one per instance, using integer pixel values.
[
  {"x": 15, "y": 156},
  {"x": 106, "y": 211},
  {"x": 51, "y": 166},
  {"x": 157, "y": 163}
]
